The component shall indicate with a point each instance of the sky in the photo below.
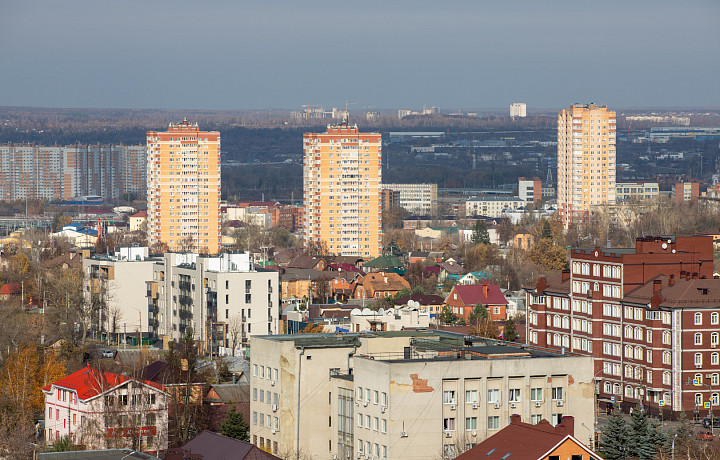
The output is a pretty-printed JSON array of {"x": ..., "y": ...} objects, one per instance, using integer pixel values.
[{"x": 454, "y": 54}]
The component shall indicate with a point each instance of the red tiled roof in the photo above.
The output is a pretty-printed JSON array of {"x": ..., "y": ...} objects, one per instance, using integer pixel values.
[
  {"x": 422, "y": 299},
  {"x": 345, "y": 267},
  {"x": 140, "y": 214},
  {"x": 473, "y": 294},
  {"x": 10, "y": 288},
  {"x": 525, "y": 441},
  {"x": 89, "y": 383}
]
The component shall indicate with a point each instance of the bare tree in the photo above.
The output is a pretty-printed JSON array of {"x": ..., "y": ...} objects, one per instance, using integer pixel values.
[{"x": 235, "y": 329}]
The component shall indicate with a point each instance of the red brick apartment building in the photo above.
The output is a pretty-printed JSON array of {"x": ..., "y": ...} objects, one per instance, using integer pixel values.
[{"x": 650, "y": 317}]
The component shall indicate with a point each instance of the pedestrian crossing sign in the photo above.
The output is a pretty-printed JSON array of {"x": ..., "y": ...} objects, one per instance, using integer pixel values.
[
  {"x": 696, "y": 382},
  {"x": 707, "y": 405}
]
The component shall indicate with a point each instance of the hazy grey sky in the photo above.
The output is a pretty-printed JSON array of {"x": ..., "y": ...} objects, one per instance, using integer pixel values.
[{"x": 238, "y": 54}]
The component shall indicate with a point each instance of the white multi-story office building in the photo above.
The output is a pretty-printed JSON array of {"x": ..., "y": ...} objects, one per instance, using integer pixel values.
[
  {"x": 491, "y": 206},
  {"x": 417, "y": 199},
  {"x": 518, "y": 109}
]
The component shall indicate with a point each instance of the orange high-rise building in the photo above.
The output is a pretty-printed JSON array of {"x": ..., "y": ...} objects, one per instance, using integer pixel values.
[
  {"x": 183, "y": 188},
  {"x": 341, "y": 185},
  {"x": 586, "y": 160}
]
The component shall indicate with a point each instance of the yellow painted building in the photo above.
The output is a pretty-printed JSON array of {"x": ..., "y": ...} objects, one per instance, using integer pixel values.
[
  {"x": 342, "y": 185},
  {"x": 586, "y": 160},
  {"x": 183, "y": 188}
]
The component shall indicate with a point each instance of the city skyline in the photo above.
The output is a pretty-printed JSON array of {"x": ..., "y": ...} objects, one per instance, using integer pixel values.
[{"x": 457, "y": 55}]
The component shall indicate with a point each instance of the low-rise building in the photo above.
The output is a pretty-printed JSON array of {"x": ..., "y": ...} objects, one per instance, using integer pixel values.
[
  {"x": 99, "y": 410},
  {"x": 392, "y": 319},
  {"x": 491, "y": 206},
  {"x": 417, "y": 199},
  {"x": 636, "y": 191},
  {"x": 463, "y": 299},
  {"x": 406, "y": 394}
]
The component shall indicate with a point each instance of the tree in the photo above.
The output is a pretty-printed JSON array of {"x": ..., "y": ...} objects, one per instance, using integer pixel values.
[
  {"x": 480, "y": 233},
  {"x": 505, "y": 230},
  {"x": 546, "y": 232},
  {"x": 235, "y": 427},
  {"x": 616, "y": 437},
  {"x": 479, "y": 313},
  {"x": 480, "y": 256},
  {"x": 63, "y": 444},
  {"x": 19, "y": 381},
  {"x": 447, "y": 316},
  {"x": 548, "y": 254},
  {"x": 313, "y": 328},
  {"x": 282, "y": 238},
  {"x": 510, "y": 331},
  {"x": 641, "y": 440},
  {"x": 414, "y": 274},
  {"x": 60, "y": 221}
]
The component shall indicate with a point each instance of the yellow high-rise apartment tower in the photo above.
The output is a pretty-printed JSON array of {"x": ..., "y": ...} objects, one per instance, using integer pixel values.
[
  {"x": 341, "y": 187},
  {"x": 183, "y": 188},
  {"x": 586, "y": 160}
]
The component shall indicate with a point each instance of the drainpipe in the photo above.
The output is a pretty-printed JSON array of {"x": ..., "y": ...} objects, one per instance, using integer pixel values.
[
  {"x": 297, "y": 427},
  {"x": 350, "y": 355}
]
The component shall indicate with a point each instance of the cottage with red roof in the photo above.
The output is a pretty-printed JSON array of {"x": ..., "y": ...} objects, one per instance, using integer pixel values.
[
  {"x": 101, "y": 410},
  {"x": 526, "y": 441},
  {"x": 464, "y": 298},
  {"x": 9, "y": 290}
]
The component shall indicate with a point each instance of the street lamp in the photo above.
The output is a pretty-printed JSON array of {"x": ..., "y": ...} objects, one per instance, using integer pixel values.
[
  {"x": 590, "y": 434},
  {"x": 673, "y": 447}
]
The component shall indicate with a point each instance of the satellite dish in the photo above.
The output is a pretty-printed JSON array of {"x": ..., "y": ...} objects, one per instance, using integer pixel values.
[{"x": 664, "y": 245}]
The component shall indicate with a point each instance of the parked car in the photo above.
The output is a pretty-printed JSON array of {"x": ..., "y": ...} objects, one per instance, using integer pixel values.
[
  {"x": 705, "y": 436},
  {"x": 107, "y": 354},
  {"x": 715, "y": 422}
]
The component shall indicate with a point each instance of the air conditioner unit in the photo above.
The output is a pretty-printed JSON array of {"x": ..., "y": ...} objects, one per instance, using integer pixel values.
[
  {"x": 512, "y": 406},
  {"x": 274, "y": 431},
  {"x": 474, "y": 433},
  {"x": 713, "y": 345},
  {"x": 559, "y": 403},
  {"x": 365, "y": 403},
  {"x": 497, "y": 405},
  {"x": 382, "y": 409},
  {"x": 452, "y": 406},
  {"x": 475, "y": 406},
  {"x": 334, "y": 457},
  {"x": 448, "y": 434},
  {"x": 274, "y": 407},
  {"x": 359, "y": 454},
  {"x": 404, "y": 434},
  {"x": 357, "y": 403},
  {"x": 698, "y": 366},
  {"x": 272, "y": 383},
  {"x": 538, "y": 404}
]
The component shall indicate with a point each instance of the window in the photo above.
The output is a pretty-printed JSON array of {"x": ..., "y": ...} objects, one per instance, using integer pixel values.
[
  {"x": 698, "y": 318},
  {"x": 255, "y": 391},
  {"x": 449, "y": 451},
  {"x": 698, "y": 359},
  {"x": 383, "y": 399},
  {"x": 360, "y": 393},
  {"x": 556, "y": 419},
  {"x": 715, "y": 359},
  {"x": 666, "y": 338},
  {"x": 557, "y": 393},
  {"x": 493, "y": 423},
  {"x": 384, "y": 425},
  {"x": 376, "y": 396},
  {"x": 254, "y": 418},
  {"x": 493, "y": 396},
  {"x": 714, "y": 318},
  {"x": 714, "y": 338},
  {"x": 471, "y": 396},
  {"x": 449, "y": 397},
  {"x": 535, "y": 418},
  {"x": 449, "y": 424},
  {"x": 666, "y": 357},
  {"x": 376, "y": 424},
  {"x": 514, "y": 395},
  {"x": 248, "y": 298},
  {"x": 470, "y": 423},
  {"x": 536, "y": 394},
  {"x": 360, "y": 420},
  {"x": 698, "y": 338}
]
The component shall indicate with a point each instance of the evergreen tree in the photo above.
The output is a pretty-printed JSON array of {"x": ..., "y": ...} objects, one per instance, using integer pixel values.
[
  {"x": 510, "y": 331},
  {"x": 447, "y": 316},
  {"x": 234, "y": 426},
  {"x": 641, "y": 441},
  {"x": 546, "y": 232},
  {"x": 479, "y": 313},
  {"x": 480, "y": 233},
  {"x": 616, "y": 437},
  {"x": 657, "y": 437}
]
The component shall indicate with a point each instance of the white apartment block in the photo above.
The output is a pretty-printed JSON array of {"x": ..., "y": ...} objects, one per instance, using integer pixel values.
[
  {"x": 636, "y": 191},
  {"x": 223, "y": 298},
  {"x": 407, "y": 394},
  {"x": 114, "y": 286},
  {"x": 417, "y": 199},
  {"x": 101, "y": 410},
  {"x": 518, "y": 109},
  {"x": 491, "y": 206}
]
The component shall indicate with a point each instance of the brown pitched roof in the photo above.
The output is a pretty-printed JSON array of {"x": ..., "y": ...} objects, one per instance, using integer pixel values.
[
  {"x": 304, "y": 261},
  {"x": 683, "y": 292},
  {"x": 218, "y": 447},
  {"x": 381, "y": 281},
  {"x": 526, "y": 441}
]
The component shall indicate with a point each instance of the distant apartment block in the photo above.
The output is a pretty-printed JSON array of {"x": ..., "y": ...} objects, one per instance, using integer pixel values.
[
  {"x": 61, "y": 173},
  {"x": 586, "y": 160},
  {"x": 390, "y": 199},
  {"x": 183, "y": 188},
  {"x": 491, "y": 206},
  {"x": 636, "y": 191},
  {"x": 223, "y": 299},
  {"x": 518, "y": 109},
  {"x": 404, "y": 394},
  {"x": 530, "y": 190},
  {"x": 342, "y": 177},
  {"x": 686, "y": 191},
  {"x": 417, "y": 199}
]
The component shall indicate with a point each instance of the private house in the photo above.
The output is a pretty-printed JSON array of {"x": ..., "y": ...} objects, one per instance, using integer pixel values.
[
  {"x": 464, "y": 298},
  {"x": 380, "y": 285}
]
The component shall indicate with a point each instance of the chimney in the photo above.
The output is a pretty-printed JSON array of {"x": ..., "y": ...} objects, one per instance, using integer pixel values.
[
  {"x": 515, "y": 419},
  {"x": 671, "y": 280},
  {"x": 657, "y": 286},
  {"x": 565, "y": 274},
  {"x": 485, "y": 290},
  {"x": 566, "y": 426}
]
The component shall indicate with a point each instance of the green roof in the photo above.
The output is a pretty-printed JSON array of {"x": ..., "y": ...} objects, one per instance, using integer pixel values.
[{"x": 386, "y": 261}]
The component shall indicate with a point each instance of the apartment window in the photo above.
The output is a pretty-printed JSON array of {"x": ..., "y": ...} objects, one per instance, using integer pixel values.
[
  {"x": 715, "y": 359},
  {"x": 471, "y": 396},
  {"x": 714, "y": 318},
  {"x": 449, "y": 397},
  {"x": 376, "y": 396},
  {"x": 535, "y": 418},
  {"x": 470, "y": 423},
  {"x": 714, "y": 338},
  {"x": 376, "y": 424},
  {"x": 254, "y": 418},
  {"x": 557, "y": 393},
  {"x": 493, "y": 396},
  {"x": 449, "y": 424},
  {"x": 255, "y": 393},
  {"x": 514, "y": 395},
  {"x": 698, "y": 338},
  {"x": 698, "y": 318},
  {"x": 698, "y": 399},
  {"x": 384, "y": 426},
  {"x": 493, "y": 422},
  {"x": 248, "y": 299},
  {"x": 666, "y": 339},
  {"x": 536, "y": 394},
  {"x": 698, "y": 359},
  {"x": 360, "y": 424},
  {"x": 715, "y": 379},
  {"x": 360, "y": 393}
]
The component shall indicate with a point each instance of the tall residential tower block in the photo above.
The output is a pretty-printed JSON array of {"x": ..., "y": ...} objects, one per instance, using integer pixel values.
[
  {"x": 183, "y": 188},
  {"x": 342, "y": 181},
  {"x": 586, "y": 160}
]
